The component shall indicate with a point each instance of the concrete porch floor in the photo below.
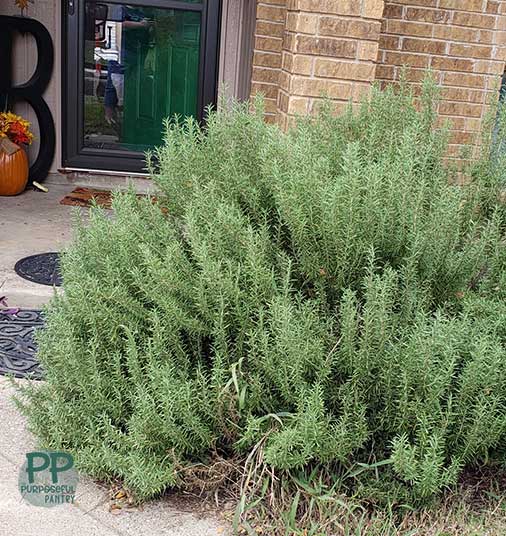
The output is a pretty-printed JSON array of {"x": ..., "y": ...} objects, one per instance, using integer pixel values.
[
  {"x": 90, "y": 515},
  {"x": 30, "y": 223},
  {"x": 35, "y": 222}
]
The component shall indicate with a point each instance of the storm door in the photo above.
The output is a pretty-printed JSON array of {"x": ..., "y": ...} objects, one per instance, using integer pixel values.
[{"x": 128, "y": 67}]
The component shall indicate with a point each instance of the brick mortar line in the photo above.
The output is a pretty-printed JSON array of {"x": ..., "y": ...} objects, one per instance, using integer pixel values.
[
  {"x": 490, "y": 92},
  {"x": 272, "y": 4},
  {"x": 342, "y": 81},
  {"x": 442, "y": 86},
  {"x": 438, "y": 69},
  {"x": 270, "y": 52},
  {"x": 344, "y": 38},
  {"x": 440, "y": 40},
  {"x": 451, "y": 22},
  {"x": 438, "y": 55},
  {"x": 267, "y": 67},
  {"x": 346, "y": 17},
  {"x": 347, "y": 61},
  {"x": 264, "y": 83},
  {"x": 370, "y": 20},
  {"x": 346, "y": 81},
  {"x": 456, "y": 116},
  {"x": 275, "y": 22},
  {"x": 449, "y": 39},
  {"x": 467, "y": 73},
  {"x": 439, "y": 8},
  {"x": 269, "y": 36},
  {"x": 339, "y": 38},
  {"x": 419, "y": 83}
]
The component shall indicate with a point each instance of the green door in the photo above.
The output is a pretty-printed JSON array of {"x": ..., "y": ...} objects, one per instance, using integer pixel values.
[
  {"x": 161, "y": 70},
  {"x": 139, "y": 66}
]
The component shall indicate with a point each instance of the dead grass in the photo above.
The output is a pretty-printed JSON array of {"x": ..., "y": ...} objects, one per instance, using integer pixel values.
[{"x": 257, "y": 501}]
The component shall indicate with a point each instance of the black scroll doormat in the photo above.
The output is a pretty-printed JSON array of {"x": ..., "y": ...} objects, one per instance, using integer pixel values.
[
  {"x": 43, "y": 268},
  {"x": 17, "y": 346}
]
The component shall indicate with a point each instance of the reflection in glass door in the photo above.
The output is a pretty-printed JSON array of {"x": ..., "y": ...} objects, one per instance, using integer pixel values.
[{"x": 133, "y": 65}]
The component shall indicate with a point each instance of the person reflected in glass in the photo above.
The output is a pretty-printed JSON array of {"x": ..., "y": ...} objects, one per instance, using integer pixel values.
[{"x": 135, "y": 27}]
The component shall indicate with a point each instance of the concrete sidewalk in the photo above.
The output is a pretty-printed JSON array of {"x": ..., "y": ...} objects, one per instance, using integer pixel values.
[
  {"x": 35, "y": 222},
  {"x": 90, "y": 516},
  {"x": 31, "y": 223}
]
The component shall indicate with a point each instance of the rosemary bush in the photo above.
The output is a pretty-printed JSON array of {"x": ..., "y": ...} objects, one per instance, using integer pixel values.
[{"x": 326, "y": 294}]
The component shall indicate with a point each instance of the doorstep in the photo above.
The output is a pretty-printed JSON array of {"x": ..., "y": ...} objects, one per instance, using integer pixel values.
[{"x": 106, "y": 180}]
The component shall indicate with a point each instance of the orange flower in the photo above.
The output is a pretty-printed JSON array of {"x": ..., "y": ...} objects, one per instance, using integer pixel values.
[
  {"x": 23, "y": 4},
  {"x": 15, "y": 128}
]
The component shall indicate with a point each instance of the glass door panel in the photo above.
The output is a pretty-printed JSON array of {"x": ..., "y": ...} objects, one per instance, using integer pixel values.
[
  {"x": 143, "y": 70},
  {"x": 133, "y": 66}
]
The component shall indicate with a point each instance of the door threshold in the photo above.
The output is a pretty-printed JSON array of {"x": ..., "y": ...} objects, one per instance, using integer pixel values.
[
  {"x": 86, "y": 171},
  {"x": 103, "y": 180}
]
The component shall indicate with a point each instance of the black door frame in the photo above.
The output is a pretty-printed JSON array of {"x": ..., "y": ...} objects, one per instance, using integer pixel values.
[{"x": 75, "y": 155}]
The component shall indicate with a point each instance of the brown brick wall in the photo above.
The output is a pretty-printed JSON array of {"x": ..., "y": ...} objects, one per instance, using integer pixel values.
[
  {"x": 462, "y": 41},
  {"x": 305, "y": 49},
  {"x": 268, "y": 46},
  {"x": 329, "y": 49}
]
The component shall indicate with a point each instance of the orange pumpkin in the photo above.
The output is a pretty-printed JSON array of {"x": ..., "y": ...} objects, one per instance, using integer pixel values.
[{"x": 13, "y": 172}]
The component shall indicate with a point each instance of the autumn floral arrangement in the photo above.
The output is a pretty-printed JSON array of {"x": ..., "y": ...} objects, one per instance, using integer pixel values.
[
  {"x": 14, "y": 165},
  {"x": 23, "y": 5},
  {"x": 14, "y": 131}
]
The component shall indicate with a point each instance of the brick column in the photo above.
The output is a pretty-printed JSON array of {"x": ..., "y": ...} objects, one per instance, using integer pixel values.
[
  {"x": 329, "y": 49},
  {"x": 268, "y": 45},
  {"x": 462, "y": 41}
]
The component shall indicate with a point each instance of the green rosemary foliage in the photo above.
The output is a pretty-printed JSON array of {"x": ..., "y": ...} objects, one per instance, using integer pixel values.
[{"x": 326, "y": 293}]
